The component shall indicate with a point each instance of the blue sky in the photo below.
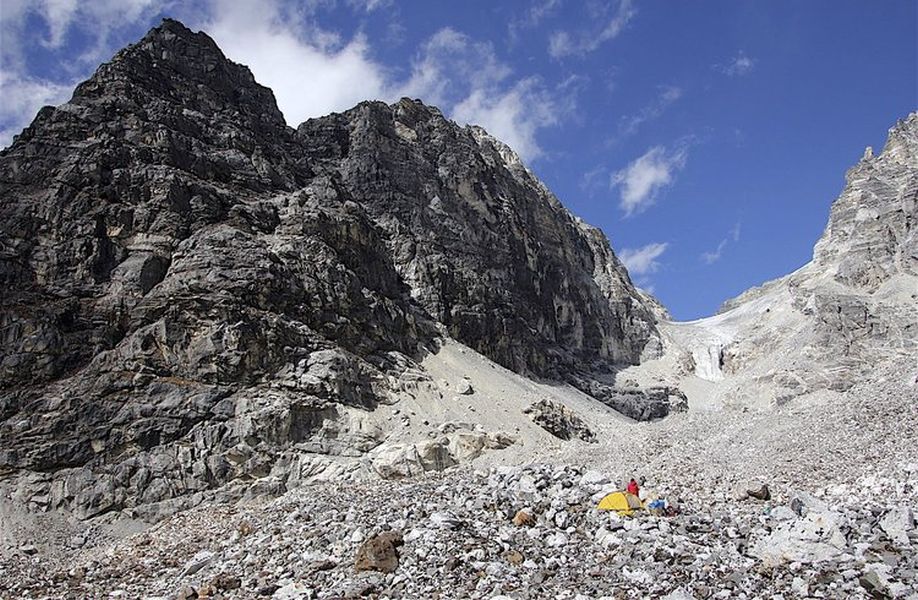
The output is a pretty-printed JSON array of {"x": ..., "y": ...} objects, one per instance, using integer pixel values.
[{"x": 707, "y": 139}]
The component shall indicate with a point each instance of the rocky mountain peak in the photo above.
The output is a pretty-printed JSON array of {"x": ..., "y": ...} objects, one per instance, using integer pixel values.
[
  {"x": 174, "y": 64},
  {"x": 182, "y": 268},
  {"x": 872, "y": 233}
]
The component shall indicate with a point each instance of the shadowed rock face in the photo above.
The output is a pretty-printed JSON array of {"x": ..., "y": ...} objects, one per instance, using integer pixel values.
[{"x": 193, "y": 291}]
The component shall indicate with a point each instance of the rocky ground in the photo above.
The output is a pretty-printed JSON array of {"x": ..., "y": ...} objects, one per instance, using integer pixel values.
[{"x": 838, "y": 523}]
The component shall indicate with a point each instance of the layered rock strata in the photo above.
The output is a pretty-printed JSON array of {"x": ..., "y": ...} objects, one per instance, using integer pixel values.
[{"x": 196, "y": 293}]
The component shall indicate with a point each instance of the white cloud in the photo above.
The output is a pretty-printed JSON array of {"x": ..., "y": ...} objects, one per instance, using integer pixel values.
[
  {"x": 710, "y": 258},
  {"x": 473, "y": 86},
  {"x": 739, "y": 65},
  {"x": 22, "y": 97},
  {"x": 643, "y": 260},
  {"x": 514, "y": 117},
  {"x": 642, "y": 180},
  {"x": 563, "y": 43},
  {"x": 310, "y": 70}
]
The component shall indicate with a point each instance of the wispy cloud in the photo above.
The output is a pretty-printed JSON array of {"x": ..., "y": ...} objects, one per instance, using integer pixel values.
[
  {"x": 712, "y": 256},
  {"x": 629, "y": 124},
  {"x": 594, "y": 180},
  {"x": 643, "y": 260},
  {"x": 564, "y": 43},
  {"x": 531, "y": 17},
  {"x": 469, "y": 80},
  {"x": 736, "y": 230},
  {"x": 739, "y": 65},
  {"x": 369, "y": 5},
  {"x": 642, "y": 180},
  {"x": 451, "y": 63},
  {"x": 22, "y": 96}
]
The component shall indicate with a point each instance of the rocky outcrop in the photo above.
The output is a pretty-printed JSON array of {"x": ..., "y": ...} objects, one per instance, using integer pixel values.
[
  {"x": 872, "y": 233},
  {"x": 196, "y": 293},
  {"x": 457, "y": 443},
  {"x": 560, "y": 421},
  {"x": 640, "y": 404}
]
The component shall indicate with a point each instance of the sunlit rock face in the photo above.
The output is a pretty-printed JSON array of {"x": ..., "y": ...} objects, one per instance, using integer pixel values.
[
  {"x": 834, "y": 321},
  {"x": 872, "y": 233},
  {"x": 196, "y": 293}
]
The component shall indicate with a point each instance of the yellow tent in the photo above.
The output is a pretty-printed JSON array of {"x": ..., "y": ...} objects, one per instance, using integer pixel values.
[{"x": 621, "y": 502}]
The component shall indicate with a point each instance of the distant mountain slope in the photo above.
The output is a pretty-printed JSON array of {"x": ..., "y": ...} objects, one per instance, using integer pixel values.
[{"x": 831, "y": 323}]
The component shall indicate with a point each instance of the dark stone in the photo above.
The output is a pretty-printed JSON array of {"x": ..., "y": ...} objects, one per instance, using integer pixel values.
[
  {"x": 560, "y": 421},
  {"x": 379, "y": 553},
  {"x": 763, "y": 493}
]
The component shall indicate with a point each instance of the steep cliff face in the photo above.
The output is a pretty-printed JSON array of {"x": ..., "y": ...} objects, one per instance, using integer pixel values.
[
  {"x": 196, "y": 293},
  {"x": 834, "y": 321},
  {"x": 872, "y": 233},
  {"x": 484, "y": 247}
]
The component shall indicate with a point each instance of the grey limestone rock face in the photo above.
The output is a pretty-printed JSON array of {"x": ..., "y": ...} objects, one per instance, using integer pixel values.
[
  {"x": 194, "y": 292},
  {"x": 872, "y": 234},
  {"x": 485, "y": 248},
  {"x": 855, "y": 305}
]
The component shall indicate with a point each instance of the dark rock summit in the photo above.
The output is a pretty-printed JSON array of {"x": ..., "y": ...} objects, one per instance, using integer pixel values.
[{"x": 194, "y": 292}]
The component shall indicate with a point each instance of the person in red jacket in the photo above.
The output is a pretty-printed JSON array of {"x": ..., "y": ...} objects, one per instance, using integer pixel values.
[{"x": 633, "y": 487}]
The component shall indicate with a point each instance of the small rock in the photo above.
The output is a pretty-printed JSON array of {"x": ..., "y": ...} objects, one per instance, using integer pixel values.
[
  {"x": 186, "y": 593},
  {"x": 783, "y": 513},
  {"x": 594, "y": 479},
  {"x": 763, "y": 493},
  {"x": 445, "y": 520},
  {"x": 379, "y": 553},
  {"x": 524, "y": 517},
  {"x": 897, "y": 523},
  {"x": 245, "y": 528},
  {"x": 267, "y": 589},
  {"x": 197, "y": 562},
  {"x": 225, "y": 581},
  {"x": 873, "y": 584},
  {"x": 292, "y": 591}
]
